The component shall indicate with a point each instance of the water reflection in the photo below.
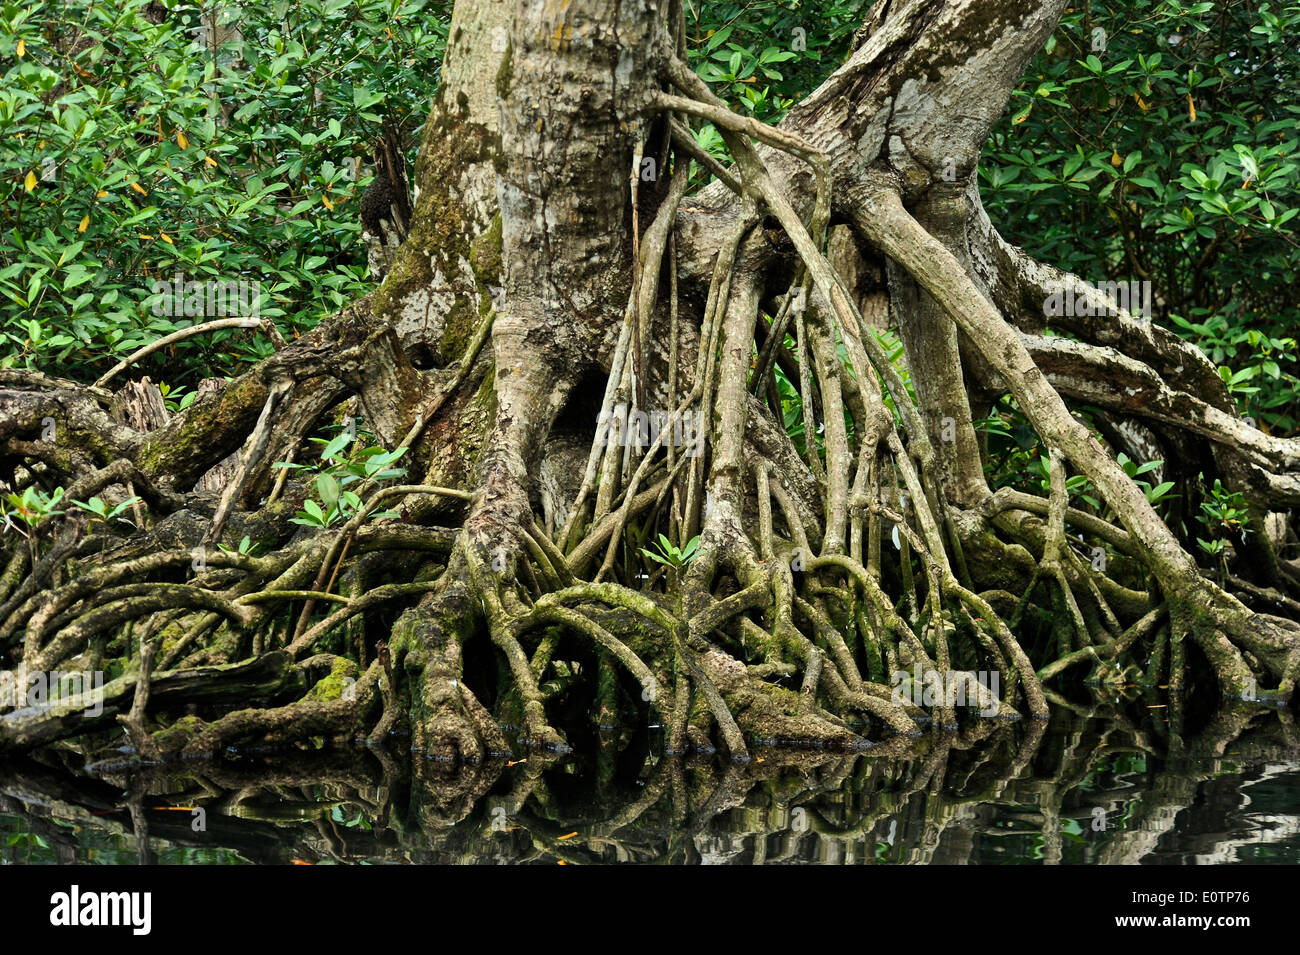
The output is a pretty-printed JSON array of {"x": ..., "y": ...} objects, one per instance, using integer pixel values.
[{"x": 1097, "y": 784}]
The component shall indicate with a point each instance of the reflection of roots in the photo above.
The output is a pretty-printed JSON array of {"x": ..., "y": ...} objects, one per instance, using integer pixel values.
[{"x": 915, "y": 804}]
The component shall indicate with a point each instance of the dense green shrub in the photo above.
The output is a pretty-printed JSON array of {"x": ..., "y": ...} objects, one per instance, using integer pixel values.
[
  {"x": 1151, "y": 139},
  {"x": 137, "y": 151},
  {"x": 1157, "y": 140}
]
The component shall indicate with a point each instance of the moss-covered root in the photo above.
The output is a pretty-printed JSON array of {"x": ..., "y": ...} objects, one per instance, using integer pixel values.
[
  {"x": 338, "y": 705},
  {"x": 447, "y": 721},
  {"x": 1244, "y": 648},
  {"x": 769, "y": 715}
]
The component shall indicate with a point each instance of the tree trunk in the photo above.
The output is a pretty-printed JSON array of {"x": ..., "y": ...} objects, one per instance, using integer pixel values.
[{"x": 576, "y": 359}]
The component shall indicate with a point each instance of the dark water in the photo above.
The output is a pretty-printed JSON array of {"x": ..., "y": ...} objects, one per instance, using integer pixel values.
[{"x": 1098, "y": 783}]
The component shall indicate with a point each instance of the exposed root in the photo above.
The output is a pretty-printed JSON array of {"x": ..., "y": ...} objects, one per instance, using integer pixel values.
[{"x": 828, "y": 576}]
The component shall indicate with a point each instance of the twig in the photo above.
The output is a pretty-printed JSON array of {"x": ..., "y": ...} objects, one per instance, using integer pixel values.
[{"x": 213, "y": 326}]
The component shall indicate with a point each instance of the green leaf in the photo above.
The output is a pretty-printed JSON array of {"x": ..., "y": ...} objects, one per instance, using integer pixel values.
[
  {"x": 328, "y": 489},
  {"x": 1160, "y": 490},
  {"x": 719, "y": 38},
  {"x": 331, "y": 450}
]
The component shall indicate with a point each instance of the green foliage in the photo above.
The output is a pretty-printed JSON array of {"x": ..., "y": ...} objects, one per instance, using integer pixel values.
[
  {"x": 1169, "y": 139},
  {"x": 668, "y": 554},
  {"x": 1134, "y": 470},
  {"x": 30, "y": 507},
  {"x": 1222, "y": 514},
  {"x": 176, "y": 399},
  {"x": 334, "y": 502},
  {"x": 1225, "y": 511},
  {"x": 1077, "y": 487},
  {"x": 246, "y": 547},
  {"x": 1017, "y": 459},
  {"x": 1257, "y": 357},
  {"x": 137, "y": 152},
  {"x": 106, "y": 513},
  {"x": 791, "y": 405},
  {"x": 766, "y": 55}
]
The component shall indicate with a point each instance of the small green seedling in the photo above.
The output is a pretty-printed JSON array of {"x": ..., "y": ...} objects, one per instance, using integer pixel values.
[
  {"x": 103, "y": 512},
  {"x": 669, "y": 555}
]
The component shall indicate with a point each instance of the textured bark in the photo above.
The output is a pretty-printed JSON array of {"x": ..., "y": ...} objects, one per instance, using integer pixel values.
[{"x": 542, "y": 288}]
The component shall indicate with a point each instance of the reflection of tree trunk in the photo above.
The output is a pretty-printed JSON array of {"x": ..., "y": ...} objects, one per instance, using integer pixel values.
[
  {"x": 946, "y": 806},
  {"x": 1226, "y": 845},
  {"x": 1174, "y": 790}
]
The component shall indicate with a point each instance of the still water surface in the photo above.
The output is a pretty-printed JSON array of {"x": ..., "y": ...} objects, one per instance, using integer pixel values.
[{"x": 1098, "y": 783}]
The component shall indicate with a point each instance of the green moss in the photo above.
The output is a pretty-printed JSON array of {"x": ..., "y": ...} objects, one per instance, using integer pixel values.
[
  {"x": 485, "y": 251},
  {"x": 226, "y": 416},
  {"x": 342, "y": 675},
  {"x": 171, "y": 635},
  {"x": 172, "y": 739},
  {"x": 506, "y": 72},
  {"x": 787, "y": 701},
  {"x": 442, "y": 235}
]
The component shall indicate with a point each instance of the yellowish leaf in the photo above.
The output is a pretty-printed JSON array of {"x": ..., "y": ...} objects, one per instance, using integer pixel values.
[
  {"x": 144, "y": 235},
  {"x": 22, "y": 49},
  {"x": 84, "y": 224},
  {"x": 1141, "y": 103},
  {"x": 181, "y": 141},
  {"x": 328, "y": 205},
  {"x": 209, "y": 160},
  {"x": 166, "y": 238},
  {"x": 30, "y": 182},
  {"x": 568, "y": 836},
  {"x": 138, "y": 188},
  {"x": 101, "y": 194},
  {"x": 1115, "y": 159},
  {"x": 1191, "y": 108}
]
